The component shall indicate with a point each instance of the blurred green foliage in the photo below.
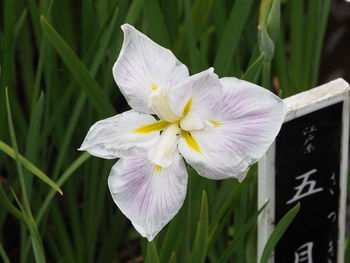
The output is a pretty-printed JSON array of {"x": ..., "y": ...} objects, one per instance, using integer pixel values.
[{"x": 56, "y": 59}]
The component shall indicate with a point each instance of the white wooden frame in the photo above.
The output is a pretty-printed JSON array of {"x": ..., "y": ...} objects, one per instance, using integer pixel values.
[{"x": 297, "y": 106}]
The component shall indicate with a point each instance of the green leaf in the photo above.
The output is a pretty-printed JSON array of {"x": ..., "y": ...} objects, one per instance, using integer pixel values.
[
  {"x": 266, "y": 44},
  {"x": 254, "y": 69},
  {"x": 155, "y": 20},
  {"x": 240, "y": 235},
  {"x": 65, "y": 176},
  {"x": 278, "y": 232},
  {"x": 37, "y": 244},
  {"x": 269, "y": 24},
  {"x": 347, "y": 249},
  {"x": 191, "y": 41},
  {"x": 32, "y": 141},
  {"x": 134, "y": 11},
  {"x": 231, "y": 36},
  {"x": 152, "y": 254},
  {"x": 273, "y": 20},
  {"x": 19, "y": 23},
  {"x": 201, "y": 239},
  {"x": 4, "y": 200},
  {"x": 172, "y": 257},
  {"x": 79, "y": 71},
  {"x": 229, "y": 202},
  {"x": 171, "y": 240},
  {"x": 3, "y": 254},
  {"x": 29, "y": 166}
]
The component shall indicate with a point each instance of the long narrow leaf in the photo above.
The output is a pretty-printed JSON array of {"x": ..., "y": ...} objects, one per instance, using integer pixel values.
[
  {"x": 65, "y": 176},
  {"x": 152, "y": 254},
  {"x": 239, "y": 236},
  {"x": 3, "y": 254},
  {"x": 156, "y": 22},
  {"x": 254, "y": 70},
  {"x": 201, "y": 240},
  {"x": 79, "y": 71},
  {"x": 231, "y": 36},
  {"x": 37, "y": 244},
  {"x": 29, "y": 166},
  {"x": 278, "y": 232}
]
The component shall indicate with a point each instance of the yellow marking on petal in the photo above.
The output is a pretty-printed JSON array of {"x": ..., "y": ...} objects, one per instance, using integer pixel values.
[
  {"x": 216, "y": 123},
  {"x": 187, "y": 107},
  {"x": 154, "y": 86},
  {"x": 156, "y": 126},
  {"x": 157, "y": 168},
  {"x": 191, "y": 142}
]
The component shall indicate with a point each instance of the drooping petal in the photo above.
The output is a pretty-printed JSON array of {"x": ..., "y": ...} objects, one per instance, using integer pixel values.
[
  {"x": 148, "y": 195},
  {"x": 122, "y": 135},
  {"x": 144, "y": 66},
  {"x": 245, "y": 123}
]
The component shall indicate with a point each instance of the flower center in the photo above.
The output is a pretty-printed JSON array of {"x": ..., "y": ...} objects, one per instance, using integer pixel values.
[
  {"x": 162, "y": 153},
  {"x": 159, "y": 104}
]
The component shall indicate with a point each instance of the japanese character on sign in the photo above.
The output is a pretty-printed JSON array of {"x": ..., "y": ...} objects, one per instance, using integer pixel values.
[
  {"x": 308, "y": 132},
  {"x": 304, "y": 253},
  {"x": 306, "y": 188}
]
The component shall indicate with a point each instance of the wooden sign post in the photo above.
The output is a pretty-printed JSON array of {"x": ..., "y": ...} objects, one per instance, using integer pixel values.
[{"x": 308, "y": 164}]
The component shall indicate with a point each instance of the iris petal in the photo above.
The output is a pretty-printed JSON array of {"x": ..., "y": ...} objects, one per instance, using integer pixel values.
[
  {"x": 144, "y": 66},
  {"x": 148, "y": 195},
  {"x": 245, "y": 121},
  {"x": 115, "y": 137}
]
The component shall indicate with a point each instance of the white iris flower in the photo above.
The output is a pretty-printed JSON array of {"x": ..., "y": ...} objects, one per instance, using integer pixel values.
[{"x": 219, "y": 126}]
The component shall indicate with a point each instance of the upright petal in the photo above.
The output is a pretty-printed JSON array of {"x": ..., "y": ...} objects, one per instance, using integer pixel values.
[
  {"x": 196, "y": 95},
  {"x": 121, "y": 135},
  {"x": 143, "y": 66},
  {"x": 148, "y": 195},
  {"x": 245, "y": 122}
]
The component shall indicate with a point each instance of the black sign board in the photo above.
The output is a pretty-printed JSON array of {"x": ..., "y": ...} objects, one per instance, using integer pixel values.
[{"x": 308, "y": 165}]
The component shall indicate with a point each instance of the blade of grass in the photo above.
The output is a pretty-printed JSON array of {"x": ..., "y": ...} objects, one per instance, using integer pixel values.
[
  {"x": 254, "y": 69},
  {"x": 65, "y": 176},
  {"x": 79, "y": 71},
  {"x": 309, "y": 37},
  {"x": 134, "y": 12},
  {"x": 173, "y": 257},
  {"x": 186, "y": 245},
  {"x": 171, "y": 241},
  {"x": 199, "y": 250},
  {"x": 281, "y": 65},
  {"x": 32, "y": 141},
  {"x": 155, "y": 20},
  {"x": 278, "y": 232},
  {"x": 296, "y": 38},
  {"x": 222, "y": 215},
  {"x": 321, "y": 29},
  {"x": 62, "y": 234},
  {"x": 231, "y": 36},
  {"x": 29, "y": 166},
  {"x": 19, "y": 23},
  {"x": 192, "y": 47},
  {"x": 3, "y": 254},
  {"x": 347, "y": 249},
  {"x": 240, "y": 235},
  {"x": 5, "y": 201},
  {"x": 152, "y": 254},
  {"x": 228, "y": 204},
  {"x": 35, "y": 237}
]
